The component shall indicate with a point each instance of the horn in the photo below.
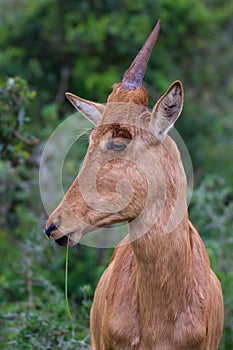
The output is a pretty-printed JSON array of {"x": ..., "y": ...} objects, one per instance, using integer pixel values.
[{"x": 133, "y": 77}]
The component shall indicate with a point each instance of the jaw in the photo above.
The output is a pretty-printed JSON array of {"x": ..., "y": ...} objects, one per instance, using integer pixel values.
[
  {"x": 71, "y": 236},
  {"x": 66, "y": 228}
]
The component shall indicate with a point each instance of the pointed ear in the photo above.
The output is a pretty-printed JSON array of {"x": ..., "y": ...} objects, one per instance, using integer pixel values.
[
  {"x": 167, "y": 110},
  {"x": 90, "y": 110}
]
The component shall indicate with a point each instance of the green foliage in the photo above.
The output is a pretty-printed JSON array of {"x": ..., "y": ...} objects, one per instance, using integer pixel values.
[
  {"x": 14, "y": 98},
  {"x": 33, "y": 312},
  {"x": 43, "y": 323},
  {"x": 212, "y": 212}
]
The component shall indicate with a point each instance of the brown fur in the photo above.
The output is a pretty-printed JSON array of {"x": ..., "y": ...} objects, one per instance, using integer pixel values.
[
  {"x": 158, "y": 304},
  {"x": 137, "y": 96},
  {"x": 159, "y": 291}
]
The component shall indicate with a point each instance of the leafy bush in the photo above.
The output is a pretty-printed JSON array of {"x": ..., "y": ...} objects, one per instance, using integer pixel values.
[
  {"x": 15, "y": 97},
  {"x": 212, "y": 213},
  {"x": 43, "y": 323}
]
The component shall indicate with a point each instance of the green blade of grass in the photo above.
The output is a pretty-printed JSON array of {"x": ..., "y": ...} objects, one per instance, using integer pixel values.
[{"x": 66, "y": 281}]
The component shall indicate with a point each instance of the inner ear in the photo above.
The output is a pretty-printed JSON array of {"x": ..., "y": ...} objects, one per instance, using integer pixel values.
[
  {"x": 90, "y": 110},
  {"x": 167, "y": 109}
]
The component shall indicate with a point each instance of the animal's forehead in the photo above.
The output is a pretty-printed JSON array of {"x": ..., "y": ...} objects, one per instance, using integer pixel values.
[
  {"x": 124, "y": 120},
  {"x": 123, "y": 113}
]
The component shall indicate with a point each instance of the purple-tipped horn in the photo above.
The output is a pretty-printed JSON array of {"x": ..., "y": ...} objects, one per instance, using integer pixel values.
[{"x": 133, "y": 77}]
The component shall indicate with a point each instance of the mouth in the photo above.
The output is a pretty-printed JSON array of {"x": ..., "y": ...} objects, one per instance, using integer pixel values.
[
  {"x": 66, "y": 240},
  {"x": 63, "y": 239}
]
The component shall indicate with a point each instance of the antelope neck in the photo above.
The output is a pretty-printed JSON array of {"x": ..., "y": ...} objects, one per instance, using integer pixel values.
[{"x": 163, "y": 270}]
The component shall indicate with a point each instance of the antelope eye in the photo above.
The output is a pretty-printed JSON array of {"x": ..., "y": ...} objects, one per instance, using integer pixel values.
[{"x": 116, "y": 146}]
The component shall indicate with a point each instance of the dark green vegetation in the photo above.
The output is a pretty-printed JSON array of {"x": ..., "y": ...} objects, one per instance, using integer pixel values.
[{"x": 49, "y": 47}]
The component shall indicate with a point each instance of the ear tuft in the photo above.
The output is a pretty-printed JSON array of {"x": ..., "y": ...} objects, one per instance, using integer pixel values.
[
  {"x": 90, "y": 110},
  {"x": 167, "y": 110}
]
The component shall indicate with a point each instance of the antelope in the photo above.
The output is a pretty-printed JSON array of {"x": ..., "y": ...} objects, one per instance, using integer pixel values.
[{"x": 158, "y": 292}]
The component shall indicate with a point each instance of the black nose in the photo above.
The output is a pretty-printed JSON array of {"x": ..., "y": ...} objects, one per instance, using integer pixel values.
[{"x": 50, "y": 229}]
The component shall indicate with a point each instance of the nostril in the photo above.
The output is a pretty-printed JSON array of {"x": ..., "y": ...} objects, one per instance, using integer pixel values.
[{"x": 50, "y": 229}]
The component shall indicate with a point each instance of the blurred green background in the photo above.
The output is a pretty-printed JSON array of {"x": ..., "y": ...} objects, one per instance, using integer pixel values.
[{"x": 49, "y": 47}]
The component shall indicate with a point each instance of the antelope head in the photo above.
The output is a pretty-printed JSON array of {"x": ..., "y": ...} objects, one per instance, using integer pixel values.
[{"x": 128, "y": 169}]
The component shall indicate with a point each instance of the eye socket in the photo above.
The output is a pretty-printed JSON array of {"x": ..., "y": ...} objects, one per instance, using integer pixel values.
[{"x": 116, "y": 146}]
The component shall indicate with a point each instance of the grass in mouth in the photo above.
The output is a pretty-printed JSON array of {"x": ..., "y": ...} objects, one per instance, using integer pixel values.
[{"x": 66, "y": 281}]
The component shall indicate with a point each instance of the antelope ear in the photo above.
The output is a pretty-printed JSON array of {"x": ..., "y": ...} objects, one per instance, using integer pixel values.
[
  {"x": 89, "y": 109},
  {"x": 167, "y": 110}
]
